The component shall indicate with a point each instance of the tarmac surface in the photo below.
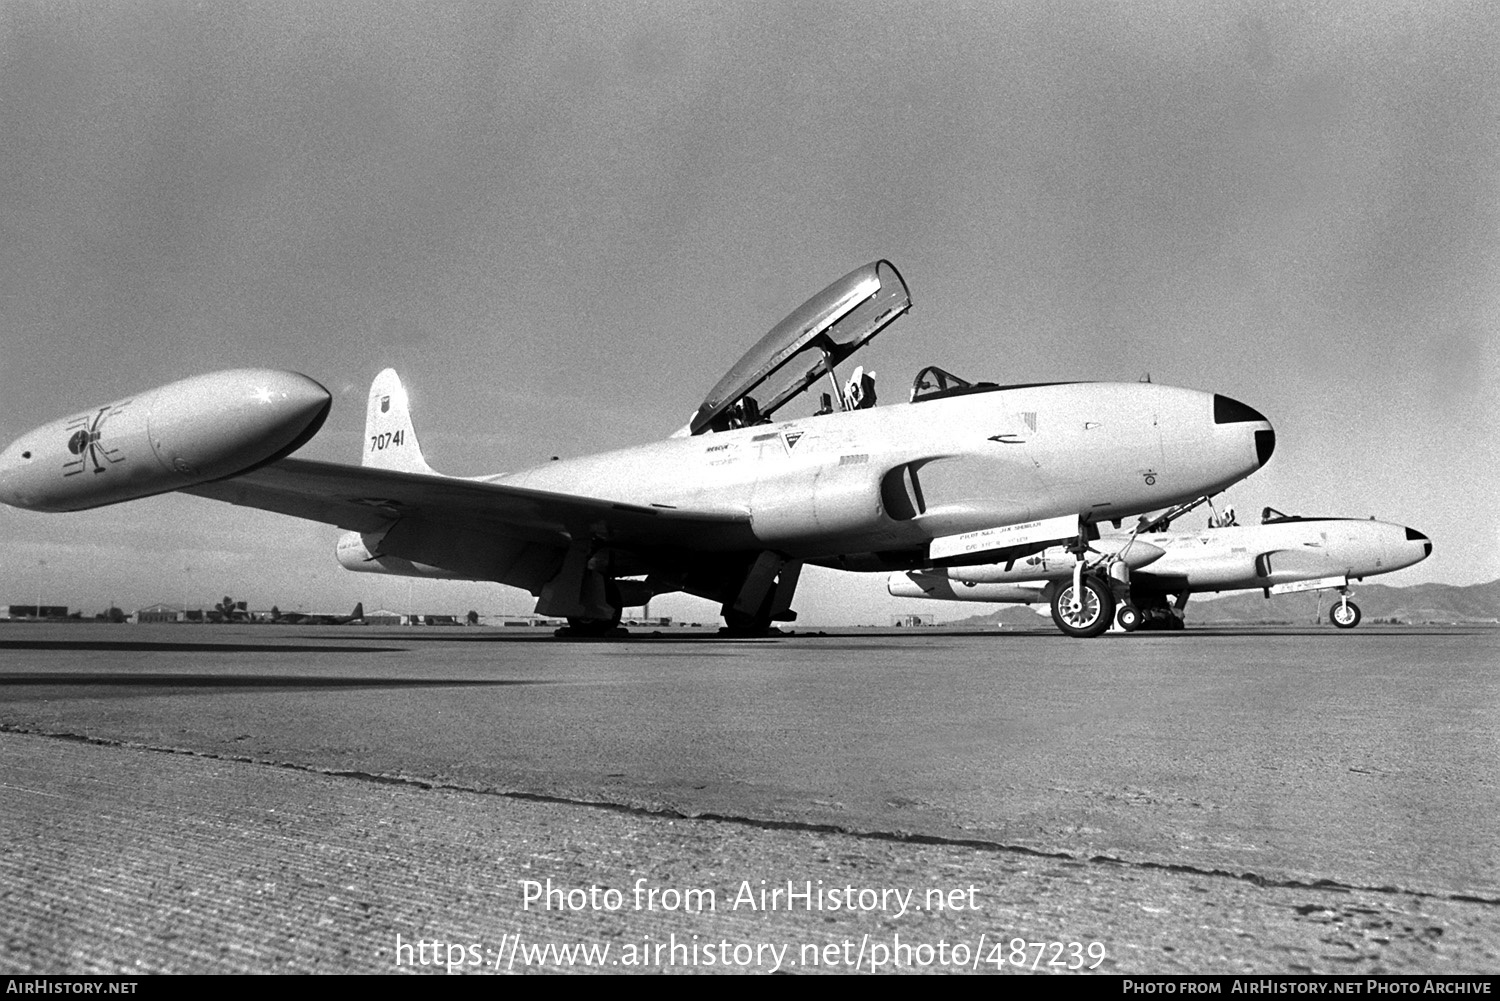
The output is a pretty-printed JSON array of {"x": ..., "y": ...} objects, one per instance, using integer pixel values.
[{"x": 347, "y": 799}]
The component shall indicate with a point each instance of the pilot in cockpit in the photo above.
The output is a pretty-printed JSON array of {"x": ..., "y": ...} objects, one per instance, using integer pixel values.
[
  {"x": 859, "y": 391},
  {"x": 745, "y": 413}
]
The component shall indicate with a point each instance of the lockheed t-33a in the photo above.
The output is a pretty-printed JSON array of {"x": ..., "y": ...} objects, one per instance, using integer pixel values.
[
  {"x": 730, "y": 508},
  {"x": 1281, "y": 555}
]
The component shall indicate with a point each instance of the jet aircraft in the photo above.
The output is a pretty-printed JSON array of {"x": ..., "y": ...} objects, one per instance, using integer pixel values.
[
  {"x": 1284, "y": 553},
  {"x": 729, "y": 508}
]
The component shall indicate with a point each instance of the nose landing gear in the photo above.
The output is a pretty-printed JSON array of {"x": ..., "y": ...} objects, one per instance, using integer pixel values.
[
  {"x": 1083, "y": 608},
  {"x": 1345, "y": 614}
]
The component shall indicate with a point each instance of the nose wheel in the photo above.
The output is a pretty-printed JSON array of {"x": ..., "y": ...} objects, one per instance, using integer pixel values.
[
  {"x": 1344, "y": 615},
  {"x": 1089, "y": 613}
]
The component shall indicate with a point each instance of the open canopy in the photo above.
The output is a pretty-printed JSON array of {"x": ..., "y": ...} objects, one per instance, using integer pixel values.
[{"x": 804, "y": 347}]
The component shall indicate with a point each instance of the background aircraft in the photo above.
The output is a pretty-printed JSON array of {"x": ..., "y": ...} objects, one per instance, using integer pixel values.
[
  {"x": 323, "y": 618},
  {"x": 729, "y": 508},
  {"x": 1282, "y": 554}
]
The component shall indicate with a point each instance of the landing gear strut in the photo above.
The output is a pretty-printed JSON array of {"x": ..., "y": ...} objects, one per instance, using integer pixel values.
[{"x": 763, "y": 597}]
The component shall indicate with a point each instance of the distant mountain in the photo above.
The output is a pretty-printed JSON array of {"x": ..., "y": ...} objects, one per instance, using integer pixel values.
[
  {"x": 1419, "y": 603},
  {"x": 1007, "y": 615}
]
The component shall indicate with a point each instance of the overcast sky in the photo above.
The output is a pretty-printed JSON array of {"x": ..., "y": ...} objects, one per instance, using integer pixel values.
[{"x": 561, "y": 222}]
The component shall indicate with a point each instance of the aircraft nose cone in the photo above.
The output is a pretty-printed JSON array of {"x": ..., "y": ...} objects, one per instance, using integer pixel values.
[
  {"x": 1232, "y": 411},
  {"x": 1412, "y": 535},
  {"x": 1145, "y": 553},
  {"x": 1138, "y": 553}
]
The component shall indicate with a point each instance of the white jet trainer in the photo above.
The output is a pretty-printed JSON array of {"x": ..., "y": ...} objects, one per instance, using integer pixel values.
[
  {"x": 1282, "y": 554},
  {"x": 729, "y": 508}
]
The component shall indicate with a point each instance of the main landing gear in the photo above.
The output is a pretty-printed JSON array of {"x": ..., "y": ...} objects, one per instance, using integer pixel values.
[
  {"x": 763, "y": 597},
  {"x": 583, "y": 627},
  {"x": 580, "y": 628},
  {"x": 1155, "y": 613}
]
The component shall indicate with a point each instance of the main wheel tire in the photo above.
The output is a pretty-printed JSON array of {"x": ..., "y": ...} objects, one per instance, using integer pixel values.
[
  {"x": 586, "y": 628},
  {"x": 741, "y": 624},
  {"x": 581, "y": 628},
  {"x": 1128, "y": 617},
  {"x": 1095, "y": 612},
  {"x": 1344, "y": 615}
]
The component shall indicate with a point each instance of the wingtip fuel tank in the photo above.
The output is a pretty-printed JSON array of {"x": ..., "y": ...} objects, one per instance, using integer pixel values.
[{"x": 205, "y": 428}]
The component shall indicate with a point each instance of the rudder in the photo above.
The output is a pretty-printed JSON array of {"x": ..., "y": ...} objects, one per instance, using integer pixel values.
[{"x": 390, "y": 438}]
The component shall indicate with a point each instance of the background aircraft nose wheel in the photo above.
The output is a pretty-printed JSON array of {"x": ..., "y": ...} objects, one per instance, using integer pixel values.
[
  {"x": 1345, "y": 615},
  {"x": 1128, "y": 617},
  {"x": 1095, "y": 611}
]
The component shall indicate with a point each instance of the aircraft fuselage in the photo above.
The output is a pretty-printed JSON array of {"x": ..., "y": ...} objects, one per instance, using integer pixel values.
[
  {"x": 838, "y": 486},
  {"x": 1234, "y": 558},
  {"x": 1249, "y": 556}
]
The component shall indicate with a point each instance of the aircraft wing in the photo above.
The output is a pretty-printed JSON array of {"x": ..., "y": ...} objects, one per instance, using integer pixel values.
[{"x": 368, "y": 499}]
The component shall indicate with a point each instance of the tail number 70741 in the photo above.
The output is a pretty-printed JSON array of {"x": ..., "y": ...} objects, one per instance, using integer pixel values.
[{"x": 380, "y": 442}]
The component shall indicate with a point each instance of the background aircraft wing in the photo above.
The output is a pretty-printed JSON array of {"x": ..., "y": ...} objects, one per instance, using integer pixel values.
[{"x": 368, "y": 499}]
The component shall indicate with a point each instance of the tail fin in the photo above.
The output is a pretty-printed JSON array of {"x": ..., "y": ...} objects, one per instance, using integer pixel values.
[
  {"x": 390, "y": 439},
  {"x": 358, "y": 613}
]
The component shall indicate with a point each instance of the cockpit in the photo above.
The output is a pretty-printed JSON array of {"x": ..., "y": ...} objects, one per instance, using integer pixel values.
[
  {"x": 806, "y": 347},
  {"x": 1271, "y": 516},
  {"x": 933, "y": 383}
]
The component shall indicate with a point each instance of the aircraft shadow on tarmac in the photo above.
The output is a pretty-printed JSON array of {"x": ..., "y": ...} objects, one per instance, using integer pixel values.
[
  {"x": 261, "y": 681},
  {"x": 158, "y": 646},
  {"x": 546, "y": 636},
  {"x": 1323, "y": 632}
]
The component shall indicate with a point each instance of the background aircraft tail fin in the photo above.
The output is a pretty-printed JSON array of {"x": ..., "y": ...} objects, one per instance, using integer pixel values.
[{"x": 390, "y": 440}]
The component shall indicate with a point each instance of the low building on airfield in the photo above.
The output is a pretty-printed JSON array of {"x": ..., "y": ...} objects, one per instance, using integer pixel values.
[{"x": 38, "y": 611}]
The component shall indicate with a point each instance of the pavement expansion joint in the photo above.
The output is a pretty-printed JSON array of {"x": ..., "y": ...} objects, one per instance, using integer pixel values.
[{"x": 904, "y": 837}]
